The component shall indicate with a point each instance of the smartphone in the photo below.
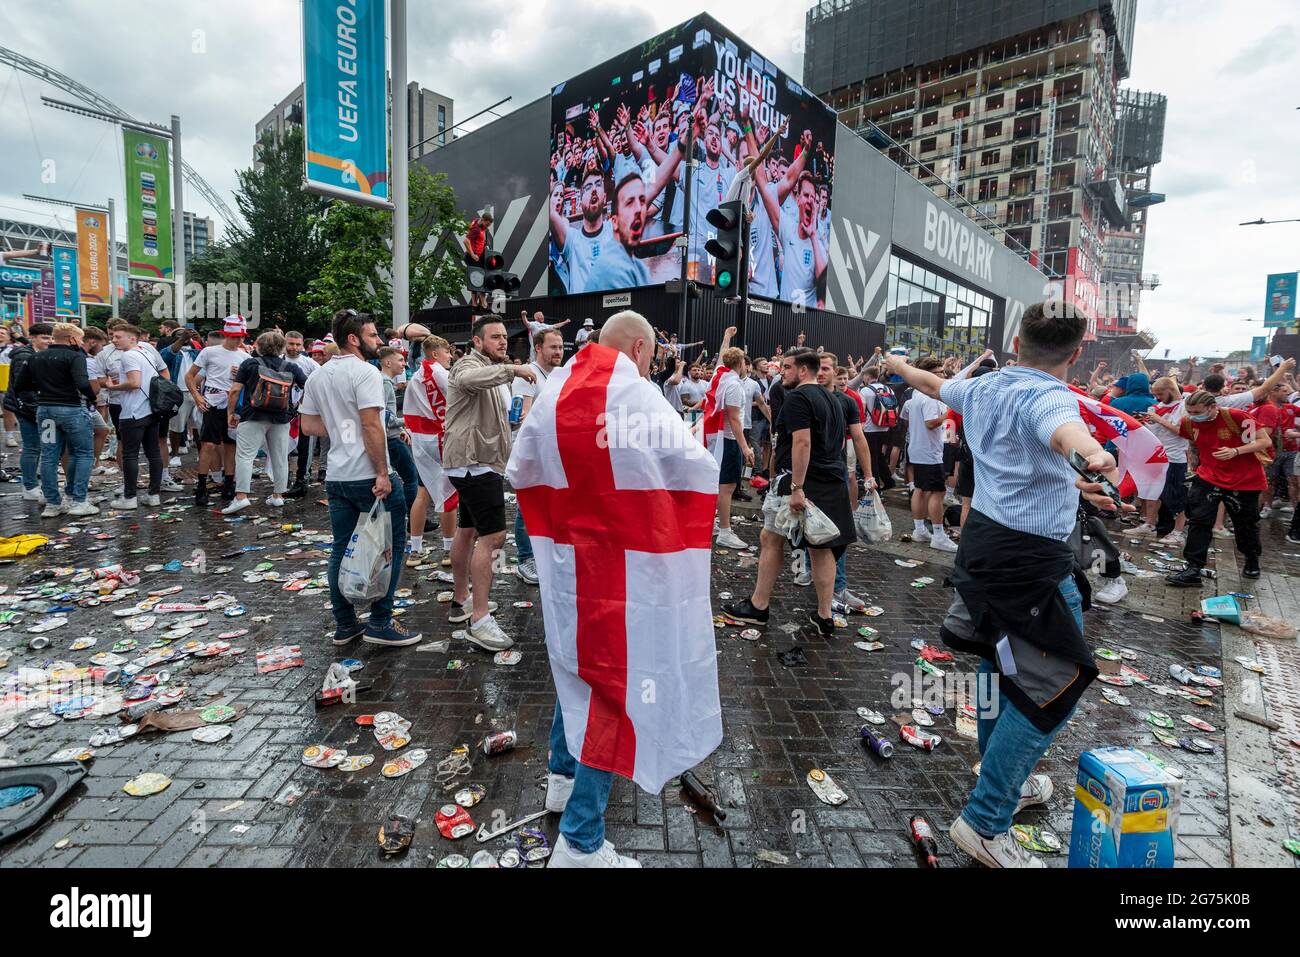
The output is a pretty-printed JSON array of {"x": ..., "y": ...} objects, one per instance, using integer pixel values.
[
  {"x": 1080, "y": 465},
  {"x": 1275, "y": 361}
]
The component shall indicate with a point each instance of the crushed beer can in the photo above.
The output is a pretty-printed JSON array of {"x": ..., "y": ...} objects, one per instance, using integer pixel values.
[
  {"x": 532, "y": 844},
  {"x": 917, "y": 738},
  {"x": 825, "y": 787},
  {"x": 405, "y": 763},
  {"x": 322, "y": 756},
  {"x": 470, "y": 795},
  {"x": 1034, "y": 838},
  {"x": 453, "y": 822}
]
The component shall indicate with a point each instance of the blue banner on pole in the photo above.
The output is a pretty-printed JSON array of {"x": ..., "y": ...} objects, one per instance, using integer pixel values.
[
  {"x": 1258, "y": 348},
  {"x": 345, "y": 102},
  {"x": 67, "y": 293},
  {"x": 19, "y": 277},
  {"x": 1279, "y": 303}
]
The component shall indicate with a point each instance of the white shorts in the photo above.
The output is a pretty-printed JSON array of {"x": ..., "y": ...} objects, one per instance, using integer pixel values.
[
  {"x": 97, "y": 420},
  {"x": 427, "y": 452}
]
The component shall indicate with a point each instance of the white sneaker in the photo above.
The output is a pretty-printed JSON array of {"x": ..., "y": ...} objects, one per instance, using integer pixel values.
[
  {"x": 558, "y": 790},
  {"x": 487, "y": 634},
  {"x": 150, "y": 499},
  {"x": 1146, "y": 528},
  {"x": 921, "y": 534},
  {"x": 950, "y": 499},
  {"x": 53, "y": 511},
  {"x": 82, "y": 509},
  {"x": 1223, "y": 533},
  {"x": 236, "y": 505},
  {"x": 1112, "y": 591},
  {"x": 11, "y": 441},
  {"x": 124, "y": 504},
  {"x": 275, "y": 500},
  {"x": 940, "y": 542},
  {"x": 33, "y": 494},
  {"x": 565, "y": 855},
  {"x": 1174, "y": 539},
  {"x": 1000, "y": 851},
  {"x": 1037, "y": 789},
  {"x": 729, "y": 539},
  {"x": 174, "y": 462},
  {"x": 171, "y": 485}
]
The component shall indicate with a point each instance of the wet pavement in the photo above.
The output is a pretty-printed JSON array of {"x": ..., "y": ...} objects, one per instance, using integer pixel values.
[{"x": 780, "y": 721}]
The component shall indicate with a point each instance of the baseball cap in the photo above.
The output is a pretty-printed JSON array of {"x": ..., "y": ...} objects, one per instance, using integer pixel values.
[
  {"x": 234, "y": 325},
  {"x": 1121, "y": 383}
]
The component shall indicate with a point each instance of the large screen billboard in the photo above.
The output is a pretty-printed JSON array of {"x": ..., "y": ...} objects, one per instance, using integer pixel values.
[{"x": 618, "y": 173}]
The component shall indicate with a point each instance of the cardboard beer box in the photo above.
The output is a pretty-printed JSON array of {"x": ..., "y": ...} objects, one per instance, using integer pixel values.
[{"x": 1125, "y": 811}]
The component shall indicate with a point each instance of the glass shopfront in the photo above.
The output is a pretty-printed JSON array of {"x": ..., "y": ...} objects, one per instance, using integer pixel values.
[{"x": 928, "y": 313}]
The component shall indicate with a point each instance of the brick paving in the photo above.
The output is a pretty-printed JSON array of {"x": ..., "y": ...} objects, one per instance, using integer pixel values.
[{"x": 779, "y": 722}]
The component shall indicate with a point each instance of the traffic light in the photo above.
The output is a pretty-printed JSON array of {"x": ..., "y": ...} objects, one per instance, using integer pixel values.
[
  {"x": 495, "y": 277},
  {"x": 727, "y": 246}
]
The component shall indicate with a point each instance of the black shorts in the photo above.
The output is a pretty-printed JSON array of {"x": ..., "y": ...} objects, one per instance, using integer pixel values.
[
  {"x": 927, "y": 478},
  {"x": 731, "y": 462},
  {"x": 482, "y": 502},
  {"x": 216, "y": 428},
  {"x": 949, "y": 457},
  {"x": 114, "y": 413},
  {"x": 966, "y": 475}
]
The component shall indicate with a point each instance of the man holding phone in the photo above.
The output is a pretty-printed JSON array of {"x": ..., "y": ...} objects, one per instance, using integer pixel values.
[{"x": 1020, "y": 591}]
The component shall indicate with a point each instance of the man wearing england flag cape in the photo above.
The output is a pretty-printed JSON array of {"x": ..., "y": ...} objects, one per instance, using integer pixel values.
[{"x": 618, "y": 498}]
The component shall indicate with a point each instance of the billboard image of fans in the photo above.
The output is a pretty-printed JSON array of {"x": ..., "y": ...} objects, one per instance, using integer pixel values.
[{"x": 618, "y": 168}]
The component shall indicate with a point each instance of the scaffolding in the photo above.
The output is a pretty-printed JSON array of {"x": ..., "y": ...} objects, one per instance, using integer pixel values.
[{"x": 1140, "y": 129}]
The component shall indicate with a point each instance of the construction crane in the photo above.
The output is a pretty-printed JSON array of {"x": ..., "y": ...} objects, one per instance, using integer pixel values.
[{"x": 65, "y": 83}]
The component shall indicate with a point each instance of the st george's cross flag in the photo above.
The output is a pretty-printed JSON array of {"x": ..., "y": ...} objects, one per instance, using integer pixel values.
[
  {"x": 618, "y": 497},
  {"x": 1142, "y": 460},
  {"x": 710, "y": 425}
]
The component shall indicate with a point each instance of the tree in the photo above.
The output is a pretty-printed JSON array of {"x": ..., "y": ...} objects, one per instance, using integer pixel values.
[
  {"x": 357, "y": 272},
  {"x": 279, "y": 243},
  {"x": 136, "y": 307}
]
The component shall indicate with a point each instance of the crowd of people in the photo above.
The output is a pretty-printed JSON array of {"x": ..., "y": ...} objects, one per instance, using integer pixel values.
[{"x": 407, "y": 418}]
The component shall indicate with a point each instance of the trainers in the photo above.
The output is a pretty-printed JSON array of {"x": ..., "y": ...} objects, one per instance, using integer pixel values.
[
  {"x": 921, "y": 534},
  {"x": 343, "y": 636},
  {"x": 464, "y": 612},
  {"x": 1223, "y": 533},
  {"x": 81, "y": 509},
  {"x": 124, "y": 504},
  {"x": 1146, "y": 528},
  {"x": 174, "y": 462},
  {"x": 566, "y": 855},
  {"x": 150, "y": 499},
  {"x": 391, "y": 635},
  {"x": 33, "y": 494},
  {"x": 1174, "y": 539},
  {"x": 53, "y": 511},
  {"x": 558, "y": 790},
  {"x": 940, "y": 542},
  {"x": 804, "y": 578},
  {"x": 850, "y": 601},
  {"x": 487, "y": 634},
  {"x": 275, "y": 501},
  {"x": 1000, "y": 851},
  {"x": 527, "y": 571},
  {"x": 1037, "y": 789},
  {"x": 1112, "y": 591},
  {"x": 171, "y": 485},
  {"x": 729, "y": 539},
  {"x": 238, "y": 505},
  {"x": 11, "y": 442},
  {"x": 745, "y": 611},
  {"x": 824, "y": 625},
  {"x": 1189, "y": 577},
  {"x": 415, "y": 559}
]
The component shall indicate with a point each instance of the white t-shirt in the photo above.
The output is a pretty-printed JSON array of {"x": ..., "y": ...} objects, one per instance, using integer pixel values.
[
  {"x": 693, "y": 390},
  {"x": 798, "y": 265},
  {"x": 731, "y": 396},
  {"x": 752, "y": 390},
  {"x": 924, "y": 445},
  {"x": 580, "y": 339},
  {"x": 1175, "y": 445},
  {"x": 581, "y": 253},
  {"x": 337, "y": 393},
  {"x": 135, "y": 402},
  {"x": 159, "y": 364},
  {"x": 217, "y": 366},
  {"x": 529, "y": 390},
  {"x": 308, "y": 366},
  {"x": 109, "y": 367},
  {"x": 762, "y": 255},
  {"x": 707, "y": 192}
]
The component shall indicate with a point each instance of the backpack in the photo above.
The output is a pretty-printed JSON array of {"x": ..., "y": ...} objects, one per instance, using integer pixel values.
[
  {"x": 165, "y": 397},
  {"x": 884, "y": 413},
  {"x": 273, "y": 390}
]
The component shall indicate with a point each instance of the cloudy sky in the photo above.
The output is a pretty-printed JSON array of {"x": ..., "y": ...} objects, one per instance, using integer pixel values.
[{"x": 1231, "y": 72}]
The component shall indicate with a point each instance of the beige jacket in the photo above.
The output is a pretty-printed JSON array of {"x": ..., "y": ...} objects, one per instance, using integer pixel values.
[{"x": 477, "y": 430}]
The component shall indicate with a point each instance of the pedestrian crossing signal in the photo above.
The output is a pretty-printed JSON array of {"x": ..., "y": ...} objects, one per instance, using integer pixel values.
[{"x": 726, "y": 247}]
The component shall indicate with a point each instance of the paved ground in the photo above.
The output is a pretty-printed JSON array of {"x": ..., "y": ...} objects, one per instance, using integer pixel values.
[{"x": 221, "y": 807}]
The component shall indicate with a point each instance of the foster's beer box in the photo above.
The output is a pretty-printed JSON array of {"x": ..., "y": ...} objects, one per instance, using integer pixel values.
[{"x": 1125, "y": 811}]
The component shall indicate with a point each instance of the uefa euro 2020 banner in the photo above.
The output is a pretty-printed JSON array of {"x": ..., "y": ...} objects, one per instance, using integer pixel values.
[
  {"x": 92, "y": 255},
  {"x": 345, "y": 101},
  {"x": 617, "y": 176},
  {"x": 148, "y": 204},
  {"x": 67, "y": 293}
]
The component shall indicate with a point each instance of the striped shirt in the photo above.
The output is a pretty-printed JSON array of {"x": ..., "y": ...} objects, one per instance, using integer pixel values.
[{"x": 1009, "y": 418}]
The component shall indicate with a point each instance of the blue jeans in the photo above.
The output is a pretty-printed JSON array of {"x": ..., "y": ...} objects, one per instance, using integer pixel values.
[
  {"x": 583, "y": 823},
  {"x": 399, "y": 454},
  {"x": 30, "y": 459},
  {"x": 841, "y": 579},
  {"x": 69, "y": 425},
  {"x": 348, "y": 502},
  {"x": 523, "y": 544},
  {"x": 1010, "y": 745}
]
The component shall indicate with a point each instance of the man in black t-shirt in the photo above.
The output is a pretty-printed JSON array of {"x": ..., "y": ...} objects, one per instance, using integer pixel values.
[{"x": 808, "y": 466}]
